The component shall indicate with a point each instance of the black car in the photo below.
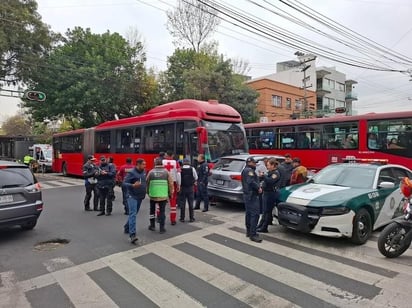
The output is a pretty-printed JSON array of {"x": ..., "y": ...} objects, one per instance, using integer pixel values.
[{"x": 20, "y": 196}]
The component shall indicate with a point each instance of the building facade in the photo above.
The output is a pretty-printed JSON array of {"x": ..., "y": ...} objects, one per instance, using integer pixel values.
[
  {"x": 281, "y": 101},
  {"x": 301, "y": 90}
]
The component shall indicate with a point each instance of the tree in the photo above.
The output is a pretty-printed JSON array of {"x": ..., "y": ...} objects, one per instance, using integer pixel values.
[
  {"x": 93, "y": 78},
  {"x": 206, "y": 75},
  {"x": 24, "y": 40},
  {"x": 192, "y": 22},
  {"x": 17, "y": 125}
]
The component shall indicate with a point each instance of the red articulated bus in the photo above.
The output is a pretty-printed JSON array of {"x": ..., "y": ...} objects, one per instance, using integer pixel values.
[
  {"x": 322, "y": 141},
  {"x": 186, "y": 127}
]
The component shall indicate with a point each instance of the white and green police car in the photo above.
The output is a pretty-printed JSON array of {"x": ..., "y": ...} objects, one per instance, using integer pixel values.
[{"x": 344, "y": 200}]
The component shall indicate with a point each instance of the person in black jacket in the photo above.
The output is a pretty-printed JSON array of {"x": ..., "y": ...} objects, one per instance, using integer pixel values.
[
  {"x": 188, "y": 179},
  {"x": 89, "y": 171},
  {"x": 203, "y": 176},
  {"x": 251, "y": 190},
  {"x": 105, "y": 177},
  {"x": 270, "y": 187},
  {"x": 135, "y": 183}
]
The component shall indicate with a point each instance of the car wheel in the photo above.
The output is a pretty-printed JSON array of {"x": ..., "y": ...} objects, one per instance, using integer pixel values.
[
  {"x": 64, "y": 169},
  {"x": 29, "y": 225},
  {"x": 362, "y": 227}
]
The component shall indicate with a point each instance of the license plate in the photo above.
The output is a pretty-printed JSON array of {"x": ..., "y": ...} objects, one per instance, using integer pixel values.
[
  {"x": 6, "y": 198},
  {"x": 219, "y": 182}
]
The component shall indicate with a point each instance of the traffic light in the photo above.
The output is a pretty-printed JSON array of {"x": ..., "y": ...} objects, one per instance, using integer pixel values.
[{"x": 35, "y": 96}]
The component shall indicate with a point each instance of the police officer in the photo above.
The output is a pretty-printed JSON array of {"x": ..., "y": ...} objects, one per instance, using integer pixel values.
[
  {"x": 203, "y": 175},
  {"x": 105, "y": 177},
  {"x": 270, "y": 188},
  {"x": 159, "y": 189},
  {"x": 251, "y": 191},
  {"x": 89, "y": 171}
]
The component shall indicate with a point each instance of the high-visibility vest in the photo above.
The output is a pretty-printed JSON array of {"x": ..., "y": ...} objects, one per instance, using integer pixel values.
[{"x": 158, "y": 185}]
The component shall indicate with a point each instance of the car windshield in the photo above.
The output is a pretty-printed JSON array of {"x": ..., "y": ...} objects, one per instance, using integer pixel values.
[
  {"x": 346, "y": 175},
  {"x": 15, "y": 177},
  {"x": 229, "y": 164}
]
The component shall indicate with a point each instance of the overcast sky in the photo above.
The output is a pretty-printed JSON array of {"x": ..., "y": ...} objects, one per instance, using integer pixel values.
[{"x": 386, "y": 22}]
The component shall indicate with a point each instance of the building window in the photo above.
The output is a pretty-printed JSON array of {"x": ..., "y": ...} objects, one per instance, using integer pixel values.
[
  {"x": 330, "y": 102},
  {"x": 276, "y": 101},
  {"x": 298, "y": 104},
  {"x": 288, "y": 103},
  {"x": 340, "y": 86},
  {"x": 329, "y": 83}
]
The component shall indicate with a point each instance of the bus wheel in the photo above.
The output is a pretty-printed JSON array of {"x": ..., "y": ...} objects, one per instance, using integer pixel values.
[
  {"x": 64, "y": 169},
  {"x": 362, "y": 227}
]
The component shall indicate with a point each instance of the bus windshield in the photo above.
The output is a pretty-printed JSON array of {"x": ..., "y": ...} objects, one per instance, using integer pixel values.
[{"x": 225, "y": 139}]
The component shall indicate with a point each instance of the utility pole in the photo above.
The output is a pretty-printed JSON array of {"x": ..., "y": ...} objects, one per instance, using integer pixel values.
[{"x": 304, "y": 59}]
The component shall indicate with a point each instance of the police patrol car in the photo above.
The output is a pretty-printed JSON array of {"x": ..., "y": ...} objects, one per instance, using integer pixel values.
[{"x": 344, "y": 200}]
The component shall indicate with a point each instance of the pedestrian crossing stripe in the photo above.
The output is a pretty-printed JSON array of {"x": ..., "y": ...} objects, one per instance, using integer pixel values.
[
  {"x": 61, "y": 183},
  {"x": 218, "y": 265}
]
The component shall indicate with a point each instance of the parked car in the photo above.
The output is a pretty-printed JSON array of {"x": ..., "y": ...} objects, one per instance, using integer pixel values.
[
  {"x": 225, "y": 180},
  {"x": 20, "y": 196},
  {"x": 344, "y": 200}
]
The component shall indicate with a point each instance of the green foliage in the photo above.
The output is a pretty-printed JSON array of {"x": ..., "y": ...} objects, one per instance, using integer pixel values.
[
  {"x": 17, "y": 125},
  {"x": 92, "y": 78},
  {"x": 206, "y": 75},
  {"x": 24, "y": 40}
]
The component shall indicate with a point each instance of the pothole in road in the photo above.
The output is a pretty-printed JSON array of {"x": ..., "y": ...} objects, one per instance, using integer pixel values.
[{"x": 51, "y": 244}]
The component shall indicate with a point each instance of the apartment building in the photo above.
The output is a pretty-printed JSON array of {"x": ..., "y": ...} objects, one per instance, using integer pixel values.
[
  {"x": 301, "y": 90},
  {"x": 281, "y": 101}
]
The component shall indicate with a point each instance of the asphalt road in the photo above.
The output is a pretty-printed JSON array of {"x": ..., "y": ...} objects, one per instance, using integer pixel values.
[{"x": 206, "y": 263}]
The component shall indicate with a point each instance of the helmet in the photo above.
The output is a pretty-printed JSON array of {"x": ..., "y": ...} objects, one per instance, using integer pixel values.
[{"x": 406, "y": 187}]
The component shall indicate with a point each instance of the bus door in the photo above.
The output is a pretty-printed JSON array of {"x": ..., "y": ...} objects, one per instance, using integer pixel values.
[{"x": 191, "y": 144}]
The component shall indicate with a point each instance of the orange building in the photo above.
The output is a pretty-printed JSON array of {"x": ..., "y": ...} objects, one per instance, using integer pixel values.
[{"x": 279, "y": 101}]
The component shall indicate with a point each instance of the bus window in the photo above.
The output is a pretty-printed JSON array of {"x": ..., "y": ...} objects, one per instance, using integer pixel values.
[
  {"x": 102, "y": 142},
  {"x": 159, "y": 138},
  {"x": 308, "y": 136},
  {"x": 179, "y": 138},
  {"x": 287, "y": 137},
  {"x": 266, "y": 139},
  {"x": 393, "y": 135},
  {"x": 341, "y": 135},
  {"x": 71, "y": 144},
  {"x": 137, "y": 139},
  {"x": 124, "y": 142}
]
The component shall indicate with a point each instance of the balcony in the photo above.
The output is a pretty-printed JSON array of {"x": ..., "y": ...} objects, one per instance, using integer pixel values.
[
  {"x": 322, "y": 90},
  {"x": 351, "y": 96}
]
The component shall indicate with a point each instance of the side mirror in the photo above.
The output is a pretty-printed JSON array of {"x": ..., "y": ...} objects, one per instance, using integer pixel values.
[{"x": 386, "y": 185}]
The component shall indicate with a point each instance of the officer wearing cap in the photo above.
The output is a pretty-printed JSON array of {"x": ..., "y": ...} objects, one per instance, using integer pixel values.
[
  {"x": 105, "y": 178},
  {"x": 89, "y": 170},
  {"x": 251, "y": 191}
]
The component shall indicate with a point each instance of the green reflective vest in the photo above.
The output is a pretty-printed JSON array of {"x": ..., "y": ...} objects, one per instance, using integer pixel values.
[
  {"x": 158, "y": 185},
  {"x": 27, "y": 159}
]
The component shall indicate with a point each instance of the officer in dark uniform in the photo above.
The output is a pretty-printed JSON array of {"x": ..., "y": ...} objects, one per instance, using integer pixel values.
[
  {"x": 89, "y": 172},
  {"x": 203, "y": 175},
  {"x": 105, "y": 178},
  {"x": 251, "y": 191},
  {"x": 270, "y": 187}
]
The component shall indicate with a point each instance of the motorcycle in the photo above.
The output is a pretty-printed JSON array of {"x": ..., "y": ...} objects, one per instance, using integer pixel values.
[{"x": 396, "y": 237}]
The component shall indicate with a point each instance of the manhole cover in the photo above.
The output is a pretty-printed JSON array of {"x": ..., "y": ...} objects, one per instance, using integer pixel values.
[{"x": 51, "y": 244}]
